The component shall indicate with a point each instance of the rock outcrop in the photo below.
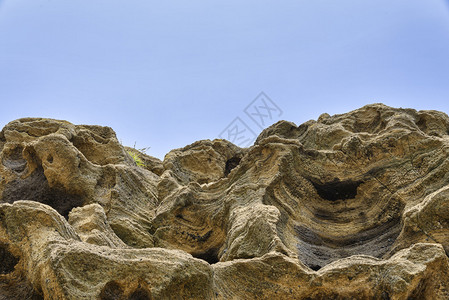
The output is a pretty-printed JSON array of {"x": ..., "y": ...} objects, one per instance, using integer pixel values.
[{"x": 351, "y": 206}]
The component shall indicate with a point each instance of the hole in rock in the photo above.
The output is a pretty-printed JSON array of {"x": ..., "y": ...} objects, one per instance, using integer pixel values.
[
  {"x": 35, "y": 187},
  {"x": 211, "y": 256},
  {"x": 231, "y": 164},
  {"x": 203, "y": 180},
  {"x": 385, "y": 296},
  {"x": 36, "y": 296},
  {"x": 140, "y": 294},
  {"x": 50, "y": 158},
  {"x": 8, "y": 261},
  {"x": 315, "y": 267},
  {"x": 111, "y": 291},
  {"x": 337, "y": 190}
]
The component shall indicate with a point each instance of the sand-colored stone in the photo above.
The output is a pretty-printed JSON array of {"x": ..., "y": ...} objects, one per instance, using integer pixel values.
[{"x": 351, "y": 206}]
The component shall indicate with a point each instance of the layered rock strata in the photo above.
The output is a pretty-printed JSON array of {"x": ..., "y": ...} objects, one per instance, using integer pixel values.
[{"x": 351, "y": 206}]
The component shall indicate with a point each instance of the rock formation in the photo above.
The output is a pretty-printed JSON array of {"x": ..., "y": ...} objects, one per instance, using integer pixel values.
[{"x": 351, "y": 206}]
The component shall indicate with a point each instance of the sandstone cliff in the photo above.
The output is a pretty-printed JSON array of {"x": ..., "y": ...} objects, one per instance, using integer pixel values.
[{"x": 351, "y": 206}]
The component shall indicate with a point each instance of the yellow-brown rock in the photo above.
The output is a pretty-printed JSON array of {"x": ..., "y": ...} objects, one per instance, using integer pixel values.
[{"x": 351, "y": 206}]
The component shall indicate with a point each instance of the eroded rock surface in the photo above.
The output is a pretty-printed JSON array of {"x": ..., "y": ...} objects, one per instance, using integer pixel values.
[{"x": 351, "y": 206}]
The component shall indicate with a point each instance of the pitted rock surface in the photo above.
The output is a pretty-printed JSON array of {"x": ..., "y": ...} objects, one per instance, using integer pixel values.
[{"x": 351, "y": 206}]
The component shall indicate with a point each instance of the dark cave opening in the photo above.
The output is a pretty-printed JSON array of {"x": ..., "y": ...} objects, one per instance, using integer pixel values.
[
  {"x": 111, "y": 291},
  {"x": 337, "y": 190},
  {"x": 140, "y": 294},
  {"x": 8, "y": 261},
  {"x": 231, "y": 164},
  {"x": 35, "y": 187},
  {"x": 211, "y": 256},
  {"x": 315, "y": 267}
]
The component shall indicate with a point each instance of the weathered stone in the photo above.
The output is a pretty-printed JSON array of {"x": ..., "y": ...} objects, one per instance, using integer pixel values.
[
  {"x": 59, "y": 265},
  {"x": 351, "y": 206},
  {"x": 91, "y": 225},
  {"x": 150, "y": 163},
  {"x": 203, "y": 161}
]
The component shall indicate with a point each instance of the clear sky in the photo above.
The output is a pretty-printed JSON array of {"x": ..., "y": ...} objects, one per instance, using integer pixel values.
[{"x": 164, "y": 74}]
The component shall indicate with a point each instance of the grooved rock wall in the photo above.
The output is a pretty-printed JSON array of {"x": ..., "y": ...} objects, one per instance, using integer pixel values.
[{"x": 351, "y": 206}]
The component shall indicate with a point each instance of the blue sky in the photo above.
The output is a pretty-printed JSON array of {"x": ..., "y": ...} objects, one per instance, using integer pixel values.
[{"x": 165, "y": 74}]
